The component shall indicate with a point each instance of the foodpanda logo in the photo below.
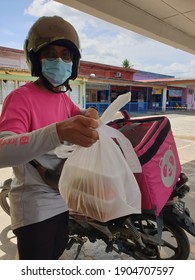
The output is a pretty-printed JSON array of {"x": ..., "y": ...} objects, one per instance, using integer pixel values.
[{"x": 168, "y": 168}]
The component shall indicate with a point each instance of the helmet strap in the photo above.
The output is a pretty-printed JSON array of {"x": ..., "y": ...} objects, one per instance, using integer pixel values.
[{"x": 57, "y": 89}]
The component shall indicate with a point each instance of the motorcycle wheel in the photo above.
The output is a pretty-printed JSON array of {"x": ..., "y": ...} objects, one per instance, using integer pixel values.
[
  {"x": 175, "y": 244},
  {"x": 4, "y": 201}
]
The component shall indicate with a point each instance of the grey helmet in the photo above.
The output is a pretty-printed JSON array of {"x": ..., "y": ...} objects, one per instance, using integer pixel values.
[{"x": 51, "y": 30}]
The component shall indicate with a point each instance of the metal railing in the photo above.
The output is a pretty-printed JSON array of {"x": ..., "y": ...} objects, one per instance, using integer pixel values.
[{"x": 137, "y": 107}]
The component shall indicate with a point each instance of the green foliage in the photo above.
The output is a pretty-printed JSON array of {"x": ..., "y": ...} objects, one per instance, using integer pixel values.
[{"x": 127, "y": 64}]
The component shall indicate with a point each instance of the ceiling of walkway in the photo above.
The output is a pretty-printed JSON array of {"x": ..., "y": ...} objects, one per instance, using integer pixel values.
[{"x": 171, "y": 22}]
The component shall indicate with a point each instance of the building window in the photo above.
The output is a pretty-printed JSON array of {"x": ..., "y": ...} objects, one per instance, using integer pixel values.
[
  {"x": 5, "y": 88},
  {"x": 8, "y": 86}
]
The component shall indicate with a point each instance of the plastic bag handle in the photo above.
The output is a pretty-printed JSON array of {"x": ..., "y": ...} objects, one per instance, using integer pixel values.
[
  {"x": 115, "y": 106},
  {"x": 64, "y": 151},
  {"x": 125, "y": 145}
]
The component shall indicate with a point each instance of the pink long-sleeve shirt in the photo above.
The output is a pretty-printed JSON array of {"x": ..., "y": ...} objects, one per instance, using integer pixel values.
[{"x": 28, "y": 131}]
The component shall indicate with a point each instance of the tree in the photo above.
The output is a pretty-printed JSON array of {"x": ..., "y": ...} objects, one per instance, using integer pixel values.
[{"x": 127, "y": 64}]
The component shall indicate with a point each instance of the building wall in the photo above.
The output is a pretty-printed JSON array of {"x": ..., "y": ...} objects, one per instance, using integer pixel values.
[
  {"x": 105, "y": 71},
  {"x": 12, "y": 58},
  {"x": 14, "y": 72},
  {"x": 190, "y": 98}
]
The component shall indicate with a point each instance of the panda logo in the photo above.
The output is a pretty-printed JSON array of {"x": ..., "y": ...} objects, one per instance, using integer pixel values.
[{"x": 168, "y": 168}]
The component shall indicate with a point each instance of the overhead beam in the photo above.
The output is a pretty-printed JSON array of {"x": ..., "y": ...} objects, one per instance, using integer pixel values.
[{"x": 124, "y": 14}]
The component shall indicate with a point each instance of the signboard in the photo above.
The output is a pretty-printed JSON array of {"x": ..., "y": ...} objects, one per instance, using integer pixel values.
[
  {"x": 175, "y": 92},
  {"x": 157, "y": 91}
]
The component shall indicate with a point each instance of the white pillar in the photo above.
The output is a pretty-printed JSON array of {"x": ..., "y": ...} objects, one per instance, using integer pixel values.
[{"x": 164, "y": 99}]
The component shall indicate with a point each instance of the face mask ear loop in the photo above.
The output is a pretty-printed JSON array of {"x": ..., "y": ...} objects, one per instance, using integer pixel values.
[
  {"x": 49, "y": 86},
  {"x": 68, "y": 88}
]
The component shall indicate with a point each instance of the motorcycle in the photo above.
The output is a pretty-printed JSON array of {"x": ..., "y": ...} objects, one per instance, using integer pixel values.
[
  {"x": 141, "y": 236},
  {"x": 136, "y": 235}
]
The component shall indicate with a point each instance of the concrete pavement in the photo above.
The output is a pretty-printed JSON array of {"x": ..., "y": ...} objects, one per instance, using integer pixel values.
[{"x": 183, "y": 127}]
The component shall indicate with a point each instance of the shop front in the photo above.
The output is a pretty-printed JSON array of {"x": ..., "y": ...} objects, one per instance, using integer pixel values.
[{"x": 100, "y": 95}]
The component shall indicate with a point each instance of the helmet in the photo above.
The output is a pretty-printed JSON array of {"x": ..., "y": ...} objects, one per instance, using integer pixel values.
[{"x": 51, "y": 30}]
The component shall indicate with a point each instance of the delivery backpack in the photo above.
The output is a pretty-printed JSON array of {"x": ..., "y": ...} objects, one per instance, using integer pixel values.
[{"x": 155, "y": 147}]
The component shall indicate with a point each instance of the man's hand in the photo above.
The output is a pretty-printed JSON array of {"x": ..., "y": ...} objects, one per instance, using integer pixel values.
[
  {"x": 91, "y": 113},
  {"x": 79, "y": 130}
]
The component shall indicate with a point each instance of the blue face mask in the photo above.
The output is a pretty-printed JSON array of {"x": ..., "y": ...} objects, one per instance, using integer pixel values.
[{"x": 56, "y": 71}]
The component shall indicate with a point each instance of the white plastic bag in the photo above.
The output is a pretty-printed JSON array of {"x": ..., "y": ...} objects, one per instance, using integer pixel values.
[{"x": 98, "y": 181}]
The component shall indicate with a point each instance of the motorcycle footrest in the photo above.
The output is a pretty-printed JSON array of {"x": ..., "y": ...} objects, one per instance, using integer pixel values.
[{"x": 183, "y": 217}]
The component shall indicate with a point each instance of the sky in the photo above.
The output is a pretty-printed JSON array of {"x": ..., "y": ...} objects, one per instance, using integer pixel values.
[{"x": 101, "y": 41}]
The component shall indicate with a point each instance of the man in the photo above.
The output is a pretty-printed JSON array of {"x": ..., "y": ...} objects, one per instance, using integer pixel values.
[{"x": 36, "y": 118}]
